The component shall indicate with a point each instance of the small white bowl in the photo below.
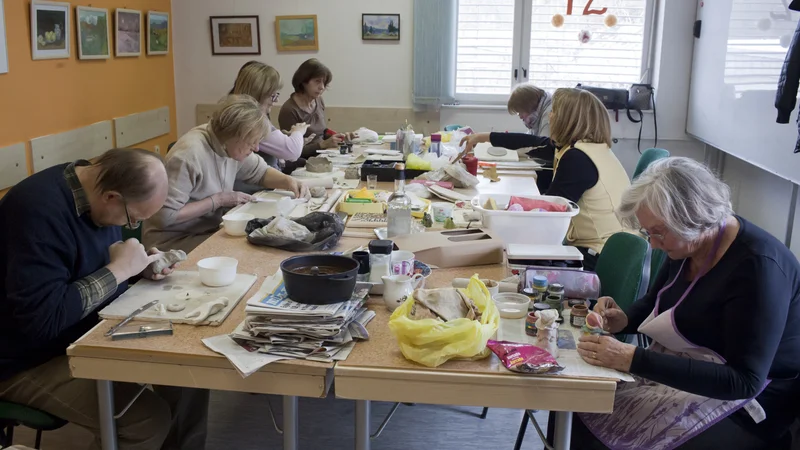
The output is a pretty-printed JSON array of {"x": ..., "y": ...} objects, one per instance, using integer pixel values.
[
  {"x": 217, "y": 271},
  {"x": 512, "y": 305},
  {"x": 235, "y": 223}
]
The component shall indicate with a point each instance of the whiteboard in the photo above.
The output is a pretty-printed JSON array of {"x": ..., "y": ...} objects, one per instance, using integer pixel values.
[{"x": 735, "y": 70}]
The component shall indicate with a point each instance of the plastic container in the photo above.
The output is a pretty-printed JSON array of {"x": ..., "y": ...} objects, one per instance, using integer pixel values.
[
  {"x": 512, "y": 305},
  {"x": 235, "y": 223},
  {"x": 526, "y": 227},
  {"x": 217, "y": 271},
  {"x": 436, "y": 145},
  {"x": 442, "y": 210}
]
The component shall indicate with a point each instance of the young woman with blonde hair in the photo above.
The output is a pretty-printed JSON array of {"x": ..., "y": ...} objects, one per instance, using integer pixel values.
[{"x": 585, "y": 169}]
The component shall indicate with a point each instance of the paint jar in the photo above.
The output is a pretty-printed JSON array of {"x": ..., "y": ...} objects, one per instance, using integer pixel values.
[
  {"x": 577, "y": 316},
  {"x": 555, "y": 302},
  {"x": 530, "y": 324},
  {"x": 556, "y": 289},
  {"x": 534, "y": 295},
  {"x": 575, "y": 302},
  {"x": 540, "y": 284}
]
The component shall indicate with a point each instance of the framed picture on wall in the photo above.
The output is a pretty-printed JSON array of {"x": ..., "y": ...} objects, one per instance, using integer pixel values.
[
  {"x": 296, "y": 33},
  {"x": 380, "y": 27},
  {"x": 3, "y": 46},
  {"x": 50, "y": 30},
  {"x": 128, "y": 32},
  {"x": 235, "y": 35},
  {"x": 157, "y": 33},
  {"x": 94, "y": 40}
]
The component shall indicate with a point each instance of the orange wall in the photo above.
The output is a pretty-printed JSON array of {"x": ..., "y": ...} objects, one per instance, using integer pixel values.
[{"x": 43, "y": 97}]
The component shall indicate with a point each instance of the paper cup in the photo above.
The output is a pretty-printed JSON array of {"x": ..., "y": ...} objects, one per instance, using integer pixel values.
[
  {"x": 492, "y": 286},
  {"x": 441, "y": 211},
  {"x": 403, "y": 263}
]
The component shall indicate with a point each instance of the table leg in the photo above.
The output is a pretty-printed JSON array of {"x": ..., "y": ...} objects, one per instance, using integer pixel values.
[
  {"x": 362, "y": 424},
  {"x": 105, "y": 404},
  {"x": 563, "y": 430},
  {"x": 291, "y": 433}
]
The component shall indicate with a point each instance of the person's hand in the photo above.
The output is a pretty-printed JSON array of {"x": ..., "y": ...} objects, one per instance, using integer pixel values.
[
  {"x": 307, "y": 140},
  {"x": 299, "y": 189},
  {"x": 474, "y": 139},
  {"x": 352, "y": 135},
  {"x": 128, "y": 259},
  {"x": 302, "y": 127},
  {"x": 331, "y": 142},
  {"x": 148, "y": 271},
  {"x": 615, "y": 319},
  {"x": 230, "y": 199},
  {"x": 606, "y": 351}
]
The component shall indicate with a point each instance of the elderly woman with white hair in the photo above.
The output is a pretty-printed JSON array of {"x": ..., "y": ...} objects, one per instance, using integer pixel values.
[{"x": 724, "y": 319}]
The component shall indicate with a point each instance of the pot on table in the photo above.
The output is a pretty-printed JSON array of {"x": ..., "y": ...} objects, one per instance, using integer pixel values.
[{"x": 319, "y": 279}]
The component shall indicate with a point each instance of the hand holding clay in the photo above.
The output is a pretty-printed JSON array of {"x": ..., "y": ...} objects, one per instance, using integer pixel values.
[
  {"x": 230, "y": 199},
  {"x": 615, "y": 319},
  {"x": 164, "y": 265},
  {"x": 307, "y": 140},
  {"x": 128, "y": 259},
  {"x": 301, "y": 127},
  {"x": 332, "y": 142}
]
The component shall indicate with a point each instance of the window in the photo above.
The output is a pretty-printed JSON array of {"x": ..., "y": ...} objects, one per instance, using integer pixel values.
[{"x": 504, "y": 42}]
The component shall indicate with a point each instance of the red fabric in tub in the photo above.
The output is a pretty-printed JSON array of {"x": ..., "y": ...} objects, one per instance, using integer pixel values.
[{"x": 530, "y": 204}]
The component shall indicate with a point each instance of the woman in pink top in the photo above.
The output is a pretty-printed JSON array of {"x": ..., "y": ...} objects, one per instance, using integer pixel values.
[{"x": 263, "y": 83}]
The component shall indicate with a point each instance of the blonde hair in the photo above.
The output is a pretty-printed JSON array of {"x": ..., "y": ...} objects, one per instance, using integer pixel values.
[
  {"x": 579, "y": 115},
  {"x": 257, "y": 80},
  {"x": 239, "y": 116},
  {"x": 524, "y": 99}
]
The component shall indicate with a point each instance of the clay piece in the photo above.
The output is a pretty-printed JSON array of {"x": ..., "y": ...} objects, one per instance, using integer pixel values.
[
  {"x": 317, "y": 192},
  {"x": 427, "y": 221},
  {"x": 318, "y": 164},
  {"x": 176, "y": 307},
  {"x": 449, "y": 224},
  {"x": 160, "y": 310},
  {"x": 352, "y": 173},
  {"x": 167, "y": 260},
  {"x": 207, "y": 310}
]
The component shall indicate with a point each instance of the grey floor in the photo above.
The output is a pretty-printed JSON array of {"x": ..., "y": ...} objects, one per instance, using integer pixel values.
[{"x": 241, "y": 422}]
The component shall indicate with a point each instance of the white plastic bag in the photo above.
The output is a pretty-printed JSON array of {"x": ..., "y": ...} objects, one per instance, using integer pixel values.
[
  {"x": 285, "y": 228},
  {"x": 365, "y": 136}
]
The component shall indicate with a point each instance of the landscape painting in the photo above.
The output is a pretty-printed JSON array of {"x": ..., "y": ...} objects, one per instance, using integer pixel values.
[
  {"x": 380, "y": 27},
  {"x": 157, "y": 33},
  {"x": 293, "y": 33},
  {"x": 235, "y": 35},
  {"x": 50, "y": 30},
  {"x": 129, "y": 32},
  {"x": 93, "y": 34}
]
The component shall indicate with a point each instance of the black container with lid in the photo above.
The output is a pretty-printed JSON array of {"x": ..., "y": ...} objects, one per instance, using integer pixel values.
[{"x": 381, "y": 246}]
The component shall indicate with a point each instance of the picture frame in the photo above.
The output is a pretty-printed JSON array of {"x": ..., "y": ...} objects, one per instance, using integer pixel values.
[
  {"x": 235, "y": 35},
  {"x": 157, "y": 33},
  {"x": 51, "y": 30},
  {"x": 296, "y": 33},
  {"x": 3, "y": 44},
  {"x": 94, "y": 34},
  {"x": 380, "y": 27},
  {"x": 128, "y": 32}
]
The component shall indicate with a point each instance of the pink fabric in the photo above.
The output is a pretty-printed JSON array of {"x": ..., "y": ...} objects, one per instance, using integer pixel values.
[
  {"x": 529, "y": 204},
  {"x": 281, "y": 146}
]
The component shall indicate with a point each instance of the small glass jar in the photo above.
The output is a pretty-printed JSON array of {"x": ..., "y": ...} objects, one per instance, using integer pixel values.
[
  {"x": 380, "y": 259},
  {"x": 577, "y": 317}
]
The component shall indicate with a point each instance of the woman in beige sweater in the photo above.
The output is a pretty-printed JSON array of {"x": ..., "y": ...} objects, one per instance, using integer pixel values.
[{"x": 202, "y": 167}]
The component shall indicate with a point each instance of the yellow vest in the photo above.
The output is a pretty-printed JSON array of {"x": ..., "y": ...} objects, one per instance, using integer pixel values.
[{"x": 597, "y": 221}]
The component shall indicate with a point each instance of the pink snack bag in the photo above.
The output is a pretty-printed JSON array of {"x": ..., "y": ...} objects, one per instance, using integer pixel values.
[{"x": 524, "y": 358}]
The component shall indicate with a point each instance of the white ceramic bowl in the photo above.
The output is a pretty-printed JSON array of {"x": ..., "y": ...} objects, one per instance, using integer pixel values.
[
  {"x": 512, "y": 305},
  {"x": 217, "y": 271},
  {"x": 235, "y": 223}
]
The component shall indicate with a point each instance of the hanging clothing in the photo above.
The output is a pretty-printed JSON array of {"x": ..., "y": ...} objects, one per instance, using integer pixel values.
[{"x": 786, "y": 96}]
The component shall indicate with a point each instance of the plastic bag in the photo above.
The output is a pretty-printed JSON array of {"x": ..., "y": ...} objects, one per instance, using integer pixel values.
[
  {"x": 454, "y": 173},
  {"x": 327, "y": 229},
  {"x": 365, "y": 135},
  {"x": 281, "y": 227},
  {"x": 524, "y": 358},
  {"x": 431, "y": 342},
  {"x": 531, "y": 204}
]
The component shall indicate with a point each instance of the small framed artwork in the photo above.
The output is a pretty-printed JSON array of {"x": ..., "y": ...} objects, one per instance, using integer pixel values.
[
  {"x": 128, "y": 32},
  {"x": 380, "y": 27},
  {"x": 94, "y": 41},
  {"x": 50, "y": 30},
  {"x": 296, "y": 33},
  {"x": 157, "y": 33},
  {"x": 235, "y": 35}
]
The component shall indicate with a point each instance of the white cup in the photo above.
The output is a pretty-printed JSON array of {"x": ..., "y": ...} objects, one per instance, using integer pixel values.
[
  {"x": 217, "y": 271},
  {"x": 236, "y": 223},
  {"x": 492, "y": 286},
  {"x": 403, "y": 263}
]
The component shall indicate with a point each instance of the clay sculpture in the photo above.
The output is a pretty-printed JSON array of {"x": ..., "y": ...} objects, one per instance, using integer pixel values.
[
  {"x": 167, "y": 259},
  {"x": 318, "y": 164},
  {"x": 317, "y": 192},
  {"x": 176, "y": 307},
  {"x": 206, "y": 310}
]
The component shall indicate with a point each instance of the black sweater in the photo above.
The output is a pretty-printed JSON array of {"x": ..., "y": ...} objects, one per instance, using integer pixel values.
[{"x": 746, "y": 309}]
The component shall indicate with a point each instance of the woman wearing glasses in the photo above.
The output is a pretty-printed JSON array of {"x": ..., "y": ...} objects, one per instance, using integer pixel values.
[{"x": 724, "y": 319}]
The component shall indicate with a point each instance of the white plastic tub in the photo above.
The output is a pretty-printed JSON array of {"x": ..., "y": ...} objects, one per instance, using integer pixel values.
[{"x": 526, "y": 227}]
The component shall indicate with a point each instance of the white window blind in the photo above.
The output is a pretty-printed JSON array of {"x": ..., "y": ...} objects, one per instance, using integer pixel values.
[{"x": 485, "y": 46}]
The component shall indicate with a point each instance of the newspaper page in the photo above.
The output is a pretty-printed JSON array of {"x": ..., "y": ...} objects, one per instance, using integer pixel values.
[{"x": 245, "y": 358}]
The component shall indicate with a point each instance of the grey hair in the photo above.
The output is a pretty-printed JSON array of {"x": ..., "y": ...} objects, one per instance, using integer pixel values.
[{"x": 684, "y": 193}]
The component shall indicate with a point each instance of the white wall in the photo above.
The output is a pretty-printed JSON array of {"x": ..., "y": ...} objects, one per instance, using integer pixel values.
[{"x": 364, "y": 73}]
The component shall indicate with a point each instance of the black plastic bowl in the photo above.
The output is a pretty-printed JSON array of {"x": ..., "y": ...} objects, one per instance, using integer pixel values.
[{"x": 320, "y": 289}]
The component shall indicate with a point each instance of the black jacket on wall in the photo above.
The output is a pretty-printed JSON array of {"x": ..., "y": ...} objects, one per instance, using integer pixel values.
[{"x": 786, "y": 97}]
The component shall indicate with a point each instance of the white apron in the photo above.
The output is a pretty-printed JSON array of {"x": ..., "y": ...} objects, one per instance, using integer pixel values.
[{"x": 653, "y": 416}]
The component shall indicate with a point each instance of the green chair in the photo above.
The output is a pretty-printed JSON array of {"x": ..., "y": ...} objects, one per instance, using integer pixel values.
[
  {"x": 13, "y": 415},
  {"x": 647, "y": 158},
  {"x": 657, "y": 259},
  {"x": 621, "y": 268}
]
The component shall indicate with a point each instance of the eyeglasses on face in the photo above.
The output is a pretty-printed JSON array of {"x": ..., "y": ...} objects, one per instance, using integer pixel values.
[
  {"x": 648, "y": 235},
  {"x": 131, "y": 225}
]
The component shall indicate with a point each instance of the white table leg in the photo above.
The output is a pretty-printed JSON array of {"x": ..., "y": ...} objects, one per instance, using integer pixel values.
[
  {"x": 105, "y": 404},
  {"x": 291, "y": 433},
  {"x": 563, "y": 430},
  {"x": 362, "y": 424}
]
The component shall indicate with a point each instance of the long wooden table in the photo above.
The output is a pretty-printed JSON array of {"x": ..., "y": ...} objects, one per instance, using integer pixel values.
[{"x": 375, "y": 370}]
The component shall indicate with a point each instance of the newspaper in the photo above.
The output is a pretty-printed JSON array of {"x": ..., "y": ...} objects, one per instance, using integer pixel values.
[{"x": 244, "y": 357}]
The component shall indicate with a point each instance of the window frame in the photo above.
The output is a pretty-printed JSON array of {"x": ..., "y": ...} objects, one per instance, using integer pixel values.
[{"x": 523, "y": 12}]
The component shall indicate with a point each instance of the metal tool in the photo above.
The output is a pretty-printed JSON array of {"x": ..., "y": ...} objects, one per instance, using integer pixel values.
[
  {"x": 142, "y": 331},
  {"x": 130, "y": 317}
]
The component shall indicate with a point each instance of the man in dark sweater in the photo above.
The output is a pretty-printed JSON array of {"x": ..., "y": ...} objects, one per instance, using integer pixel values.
[{"x": 61, "y": 260}]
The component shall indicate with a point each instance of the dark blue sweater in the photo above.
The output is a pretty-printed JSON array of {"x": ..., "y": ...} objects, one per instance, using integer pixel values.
[{"x": 45, "y": 247}]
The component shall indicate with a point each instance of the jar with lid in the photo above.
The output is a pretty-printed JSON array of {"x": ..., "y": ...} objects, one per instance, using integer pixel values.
[
  {"x": 577, "y": 317},
  {"x": 556, "y": 289},
  {"x": 540, "y": 284},
  {"x": 534, "y": 295},
  {"x": 380, "y": 259}
]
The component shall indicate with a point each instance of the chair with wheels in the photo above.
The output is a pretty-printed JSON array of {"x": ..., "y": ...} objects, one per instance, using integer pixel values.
[
  {"x": 14, "y": 414},
  {"x": 647, "y": 158}
]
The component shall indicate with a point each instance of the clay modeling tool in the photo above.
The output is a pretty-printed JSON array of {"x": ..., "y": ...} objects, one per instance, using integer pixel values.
[
  {"x": 130, "y": 317},
  {"x": 142, "y": 331}
]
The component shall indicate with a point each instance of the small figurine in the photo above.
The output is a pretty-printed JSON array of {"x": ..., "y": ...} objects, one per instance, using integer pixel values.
[
  {"x": 491, "y": 174},
  {"x": 427, "y": 221},
  {"x": 449, "y": 224}
]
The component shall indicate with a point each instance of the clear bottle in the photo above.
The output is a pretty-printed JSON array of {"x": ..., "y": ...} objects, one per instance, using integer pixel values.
[{"x": 398, "y": 214}]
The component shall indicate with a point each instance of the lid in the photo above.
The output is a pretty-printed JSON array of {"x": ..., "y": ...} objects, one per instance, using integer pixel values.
[
  {"x": 552, "y": 252},
  {"x": 399, "y": 166},
  {"x": 436, "y": 138},
  {"x": 541, "y": 306},
  {"x": 556, "y": 287},
  {"x": 540, "y": 280},
  {"x": 381, "y": 246}
]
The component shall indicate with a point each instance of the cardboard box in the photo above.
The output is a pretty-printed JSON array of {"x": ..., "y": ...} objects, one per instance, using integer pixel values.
[
  {"x": 352, "y": 208},
  {"x": 454, "y": 248}
]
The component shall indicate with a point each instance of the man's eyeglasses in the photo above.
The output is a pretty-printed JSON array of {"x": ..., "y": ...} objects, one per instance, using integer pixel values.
[
  {"x": 131, "y": 225},
  {"x": 647, "y": 235}
]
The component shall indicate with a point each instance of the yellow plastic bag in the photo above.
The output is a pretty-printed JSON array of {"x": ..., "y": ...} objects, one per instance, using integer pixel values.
[
  {"x": 414, "y": 162},
  {"x": 432, "y": 342}
]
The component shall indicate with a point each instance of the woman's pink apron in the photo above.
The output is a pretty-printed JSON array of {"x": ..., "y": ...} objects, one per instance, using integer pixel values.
[{"x": 649, "y": 415}]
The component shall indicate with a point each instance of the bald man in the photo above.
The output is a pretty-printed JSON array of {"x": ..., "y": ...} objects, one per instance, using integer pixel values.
[{"x": 61, "y": 260}]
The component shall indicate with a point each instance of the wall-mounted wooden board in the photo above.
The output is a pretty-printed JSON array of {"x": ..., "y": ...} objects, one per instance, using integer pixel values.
[
  {"x": 136, "y": 128},
  {"x": 81, "y": 143},
  {"x": 13, "y": 166}
]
